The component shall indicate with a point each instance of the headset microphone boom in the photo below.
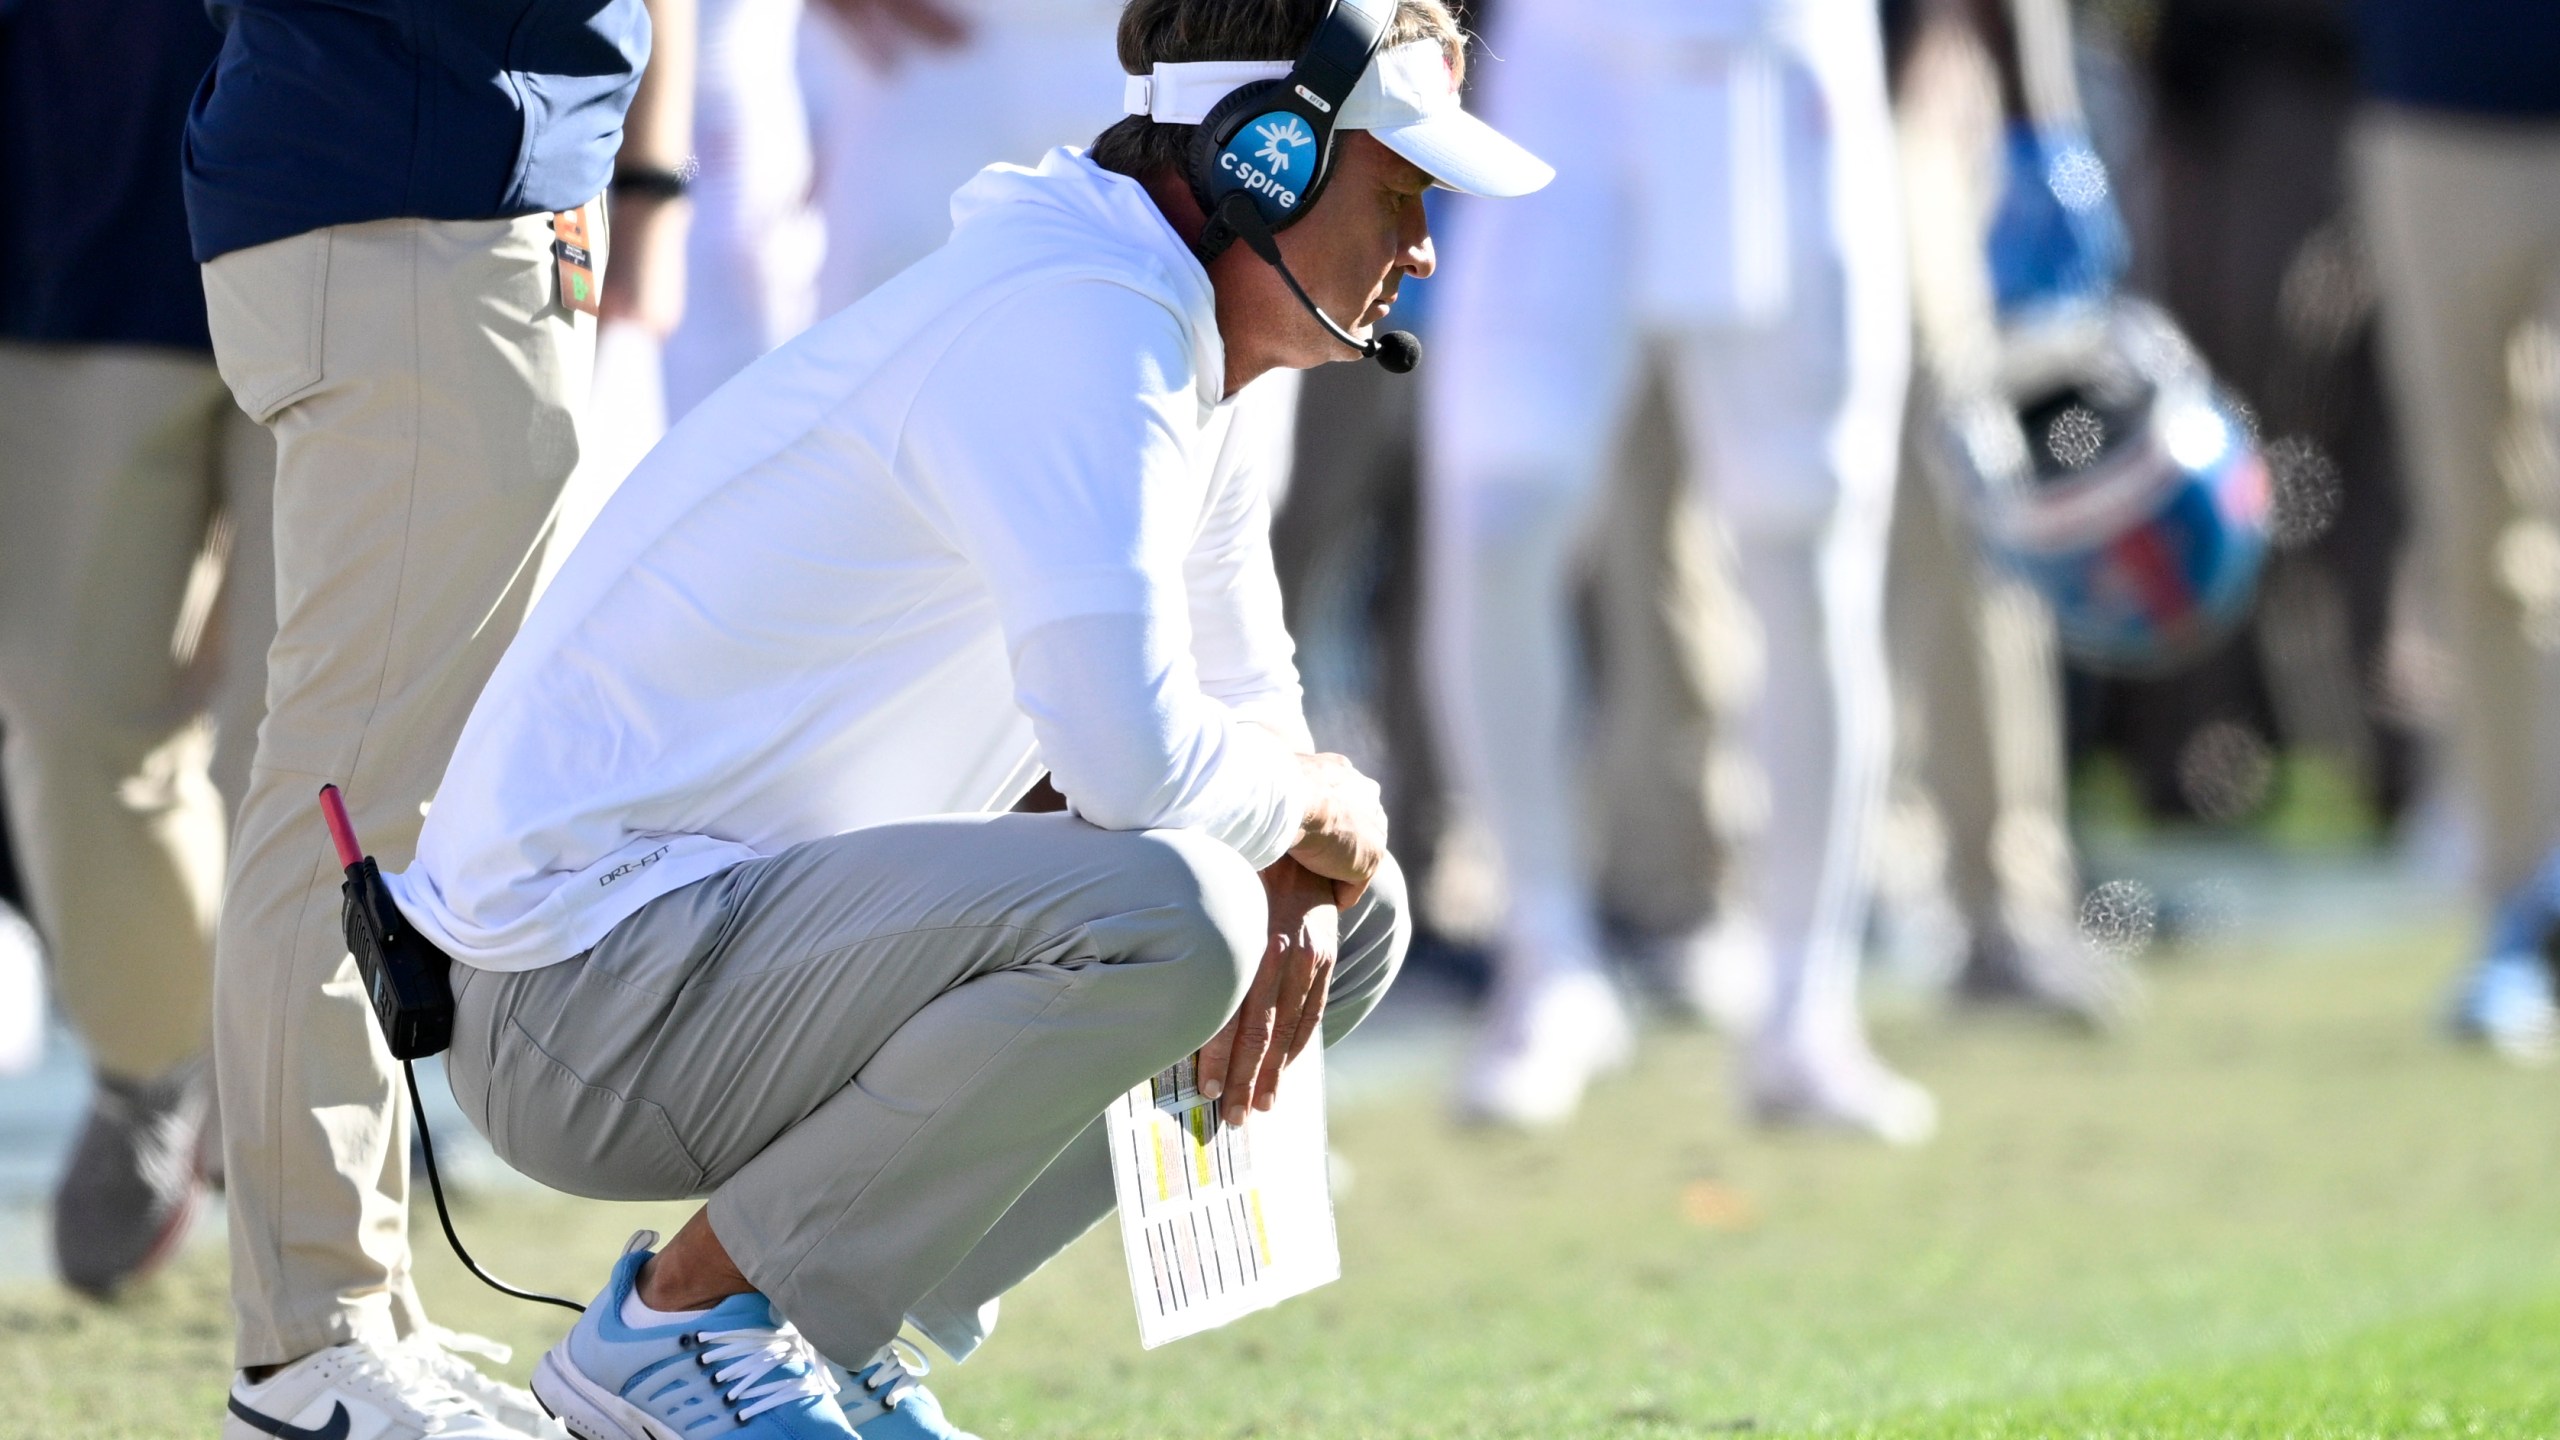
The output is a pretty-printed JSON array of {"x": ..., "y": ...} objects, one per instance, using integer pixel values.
[{"x": 1397, "y": 351}]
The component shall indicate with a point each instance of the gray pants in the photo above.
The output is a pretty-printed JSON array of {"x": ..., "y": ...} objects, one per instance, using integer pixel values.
[{"x": 885, "y": 1055}]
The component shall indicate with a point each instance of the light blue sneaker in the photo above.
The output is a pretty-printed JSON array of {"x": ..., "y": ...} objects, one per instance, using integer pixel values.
[
  {"x": 740, "y": 1370},
  {"x": 2507, "y": 998},
  {"x": 887, "y": 1399},
  {"x": 2506, "y": 1001}
]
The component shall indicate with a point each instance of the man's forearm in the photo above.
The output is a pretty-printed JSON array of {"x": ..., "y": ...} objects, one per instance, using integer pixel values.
[
  {"x": 657, "y": 131},
  {"x": 644, "y": 273},
  {"x": 1131, "y": 749}
]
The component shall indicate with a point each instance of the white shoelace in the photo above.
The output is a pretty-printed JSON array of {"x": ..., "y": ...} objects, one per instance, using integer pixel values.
[
  {"x": 440, "y": 1352},
  {"x": 744, "y": 1357},
  {"x": 892, "y": 1375}
]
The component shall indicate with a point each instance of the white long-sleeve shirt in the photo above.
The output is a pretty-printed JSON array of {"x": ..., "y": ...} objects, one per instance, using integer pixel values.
[{"x": 991, "y": 519}]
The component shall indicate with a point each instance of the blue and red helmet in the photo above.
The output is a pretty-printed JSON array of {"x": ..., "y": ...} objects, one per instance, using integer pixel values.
[{"x": 2108, "y": 469}]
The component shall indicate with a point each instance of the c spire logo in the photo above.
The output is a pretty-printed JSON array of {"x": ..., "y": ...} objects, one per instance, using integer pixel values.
[
  {"x": 1282, "y": 134},
  {"x": 1277, "y": 132}
]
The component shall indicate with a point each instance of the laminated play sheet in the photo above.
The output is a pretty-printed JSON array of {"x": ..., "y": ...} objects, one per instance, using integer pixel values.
[{"x": 1221, "y": 1220}]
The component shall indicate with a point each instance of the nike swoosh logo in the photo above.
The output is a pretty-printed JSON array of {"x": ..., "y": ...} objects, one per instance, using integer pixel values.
[{"x": 335, "y": 1429}]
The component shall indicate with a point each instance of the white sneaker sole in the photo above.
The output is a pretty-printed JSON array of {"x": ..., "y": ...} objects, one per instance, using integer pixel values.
[
  {"x": 1513, "y": 1094},
  {"x": 590, "y": 1411}
]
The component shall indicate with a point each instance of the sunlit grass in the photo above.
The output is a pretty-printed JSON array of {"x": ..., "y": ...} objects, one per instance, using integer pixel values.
[{"x": 2282, "y": 1207}]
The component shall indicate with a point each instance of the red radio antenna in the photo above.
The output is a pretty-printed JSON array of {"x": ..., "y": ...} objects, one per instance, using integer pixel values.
[{"x": 342, "y": 831}]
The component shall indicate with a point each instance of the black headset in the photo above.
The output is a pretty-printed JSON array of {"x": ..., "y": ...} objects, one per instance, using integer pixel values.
[
  {"x": 1262, "y": 155},
  {"x": 1272, "y": 142}
]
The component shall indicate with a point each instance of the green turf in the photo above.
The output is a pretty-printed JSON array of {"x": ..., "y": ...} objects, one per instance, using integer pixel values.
[{"x": 2281, "y": 1208}]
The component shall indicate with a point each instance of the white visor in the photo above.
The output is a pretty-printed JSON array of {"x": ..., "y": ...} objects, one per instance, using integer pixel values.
[{"x": 1408, "y": 98}]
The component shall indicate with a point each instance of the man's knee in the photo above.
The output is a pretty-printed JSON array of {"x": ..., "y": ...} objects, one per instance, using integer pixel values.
[
  {"x": 1210, "y": 903},
  {"x": 1383, "y": 920},
  {"x": 1375, "y": 936}
]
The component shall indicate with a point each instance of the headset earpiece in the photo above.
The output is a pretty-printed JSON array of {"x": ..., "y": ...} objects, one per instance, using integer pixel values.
[
  {"x": 1273, "y": 142},
  {"x": 1263, "y": 143}
]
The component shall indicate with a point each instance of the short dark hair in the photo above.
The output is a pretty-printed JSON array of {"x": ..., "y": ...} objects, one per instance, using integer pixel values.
[{"x": 1154, "y": 32}]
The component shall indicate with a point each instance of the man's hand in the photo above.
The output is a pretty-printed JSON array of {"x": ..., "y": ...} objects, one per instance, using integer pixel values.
[
  {"x": 1344, "y": 835},
  {"x": 1284, "y": 1010}
]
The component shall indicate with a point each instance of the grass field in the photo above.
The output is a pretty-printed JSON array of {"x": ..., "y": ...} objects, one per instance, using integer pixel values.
[{"x": 2282, "y": 1208}]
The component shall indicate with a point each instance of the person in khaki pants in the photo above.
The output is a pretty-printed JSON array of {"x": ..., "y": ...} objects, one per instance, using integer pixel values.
[
  {"x": 1988, "y": 110},
  {"x": 133, "y": 617},
  {"x": 375, "y": 215},
  {"x": 2458, "y": 172},
  {"x": 422, "y": 384}
]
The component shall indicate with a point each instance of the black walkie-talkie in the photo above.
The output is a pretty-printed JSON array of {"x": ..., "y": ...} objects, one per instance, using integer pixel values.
[{"x": 408, "y": 979}]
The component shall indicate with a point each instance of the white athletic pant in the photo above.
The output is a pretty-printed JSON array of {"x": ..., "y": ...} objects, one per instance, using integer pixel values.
[{"x": 1725, "y": 204}]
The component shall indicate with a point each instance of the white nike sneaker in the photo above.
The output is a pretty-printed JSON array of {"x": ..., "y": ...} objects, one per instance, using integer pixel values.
[
  {"x": 1837, "y": 1087},
  {"x": 441, "y": 1351},
  {"x": 356, "y": 1392},
  {"x": 1545, "y": 1041}
]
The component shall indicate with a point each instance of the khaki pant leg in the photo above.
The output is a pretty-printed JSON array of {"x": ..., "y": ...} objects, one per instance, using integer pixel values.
[
  {"x": 1943, "y": 792},
  {"x": 422, "y": 386},
  {"x": 2032, "y": 859},
  {"x": 242, "y": 624},
  {"x": 1979, "y": 704},
  {"x": 109, "y": 458},
  {"x": 2464, "y": 222}
]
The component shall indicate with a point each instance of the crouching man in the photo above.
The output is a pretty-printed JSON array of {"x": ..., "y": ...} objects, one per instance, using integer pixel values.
[{"x": 730, "y": 855}]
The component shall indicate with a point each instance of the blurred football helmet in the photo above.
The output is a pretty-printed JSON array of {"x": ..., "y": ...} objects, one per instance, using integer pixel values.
[{"x": 2106, "y": 468}]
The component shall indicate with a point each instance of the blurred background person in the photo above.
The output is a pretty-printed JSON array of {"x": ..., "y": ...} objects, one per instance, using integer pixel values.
[
  {"x": 2010, "y": 215},
  {"x": 379, "y": 203},
  {"x": 2457, "y": 168},
  {"x": 135, "y": 599},
  {"x": 1726, "y": 206}
]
